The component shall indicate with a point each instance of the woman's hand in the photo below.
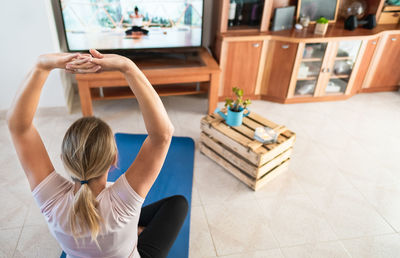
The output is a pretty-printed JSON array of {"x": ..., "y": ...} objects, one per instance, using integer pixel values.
[
  {"x": 99, "y": 62},
  {"x": 49, "y": 62},
  {"x": 111, "y": 62}
]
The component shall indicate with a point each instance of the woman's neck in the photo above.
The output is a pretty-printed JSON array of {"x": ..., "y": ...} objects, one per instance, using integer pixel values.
[{"x": 96, "y": 185}]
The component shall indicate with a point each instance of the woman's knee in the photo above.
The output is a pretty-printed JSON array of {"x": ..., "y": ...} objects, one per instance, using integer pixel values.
[{"x": 179, "y": 203}]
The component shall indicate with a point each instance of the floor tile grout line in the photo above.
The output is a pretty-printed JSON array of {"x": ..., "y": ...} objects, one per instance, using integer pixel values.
[
  {"x": 22, "y": 228},
  {"x": 209, "y": 230}
]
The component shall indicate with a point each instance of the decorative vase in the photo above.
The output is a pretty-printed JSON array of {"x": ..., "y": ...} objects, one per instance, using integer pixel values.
[
  {"x": 233, "y": 118},
  {"x": 320, "y": 28}
]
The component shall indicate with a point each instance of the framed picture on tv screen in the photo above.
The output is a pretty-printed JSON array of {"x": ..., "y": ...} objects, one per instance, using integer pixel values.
[
  {"x": 318, "y": 8},
  {"x": 132, "y": 24}
]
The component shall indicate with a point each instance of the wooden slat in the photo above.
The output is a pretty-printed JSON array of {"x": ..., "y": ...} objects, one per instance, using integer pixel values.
[
  {"x": 228, "y": 166},
  {"x": 262, "y": 120},
  {"x": 277, "y": 150},
  {"x": 254, "y": 184},
  {"x": 234, "y": 140},
  {"x": 239, "y": 161},
  {"x": 272, "y": 175},
  {"x": 228, "y": 154}
]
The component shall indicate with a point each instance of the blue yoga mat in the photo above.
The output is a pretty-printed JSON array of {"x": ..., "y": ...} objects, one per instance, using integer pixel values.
[{"x": 176, "y": 177}]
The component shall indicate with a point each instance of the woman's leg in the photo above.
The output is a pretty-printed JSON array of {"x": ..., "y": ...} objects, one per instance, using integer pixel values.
[{"x": 162, "y": 221}]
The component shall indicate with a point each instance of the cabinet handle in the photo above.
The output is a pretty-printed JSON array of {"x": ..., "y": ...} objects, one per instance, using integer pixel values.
[
  {"x": 285, "y": 46},
  {"x": 394, "y": 39},
  {"x": 256, "y": 45}
]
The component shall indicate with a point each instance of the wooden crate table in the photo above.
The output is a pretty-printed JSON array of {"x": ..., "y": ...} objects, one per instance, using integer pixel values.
[{"x": 235, "y": 149}]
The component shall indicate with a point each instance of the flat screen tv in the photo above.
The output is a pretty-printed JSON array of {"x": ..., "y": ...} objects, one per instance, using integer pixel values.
[{"x": 131, "y": 25}]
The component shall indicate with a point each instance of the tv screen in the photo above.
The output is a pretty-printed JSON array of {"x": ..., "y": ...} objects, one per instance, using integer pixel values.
[{"x": 129, "y": 24}]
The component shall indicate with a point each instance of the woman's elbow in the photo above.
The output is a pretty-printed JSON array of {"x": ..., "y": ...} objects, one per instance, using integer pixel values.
[{"x": 164, "y": 136}]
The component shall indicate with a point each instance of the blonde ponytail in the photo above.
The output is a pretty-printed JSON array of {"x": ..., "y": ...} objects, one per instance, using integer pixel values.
[{"x": 88, "y": 151}]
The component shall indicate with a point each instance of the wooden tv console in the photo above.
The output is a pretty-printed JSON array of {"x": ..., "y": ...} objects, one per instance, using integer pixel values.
[{"x": 196, "y": 74}]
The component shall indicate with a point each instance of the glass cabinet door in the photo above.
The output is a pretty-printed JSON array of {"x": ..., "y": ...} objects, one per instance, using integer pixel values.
[
  {"x": 244, "y": 14},
  {"x": 343, "y": 64},
  {"x": 309, "y": 70}
]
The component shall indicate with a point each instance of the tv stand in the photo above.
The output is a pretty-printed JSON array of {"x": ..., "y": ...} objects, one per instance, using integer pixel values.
[{"x": 170, "y": 74}]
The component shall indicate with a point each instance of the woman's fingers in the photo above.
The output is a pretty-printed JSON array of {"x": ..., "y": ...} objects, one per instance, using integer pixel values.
[
  {"x": 70, "y": 57},
  {"x": 87, "y": 65},
  {"x": 96, "y": 53},
  {"x": 91, "y": 70},
  {"x": 80, "y": 61}
]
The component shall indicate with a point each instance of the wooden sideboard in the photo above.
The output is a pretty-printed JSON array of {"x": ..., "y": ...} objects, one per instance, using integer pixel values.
[
  {"x": 198, "y": 74},
  {"x": 272, "y": 65}
]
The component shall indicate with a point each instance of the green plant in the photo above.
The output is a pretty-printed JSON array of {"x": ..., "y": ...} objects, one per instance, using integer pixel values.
[
  {"x": 239, "y": 103},
  {"x": 322, "y": 20}
]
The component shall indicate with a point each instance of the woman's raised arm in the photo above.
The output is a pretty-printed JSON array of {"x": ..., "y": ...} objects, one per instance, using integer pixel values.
[{"x": 27, "y": 142}]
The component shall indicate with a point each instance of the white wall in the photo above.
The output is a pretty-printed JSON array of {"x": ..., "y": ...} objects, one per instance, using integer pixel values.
[{"x": 27, "y": 30}]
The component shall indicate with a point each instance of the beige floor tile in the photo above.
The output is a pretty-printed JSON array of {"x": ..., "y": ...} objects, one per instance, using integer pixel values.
[
  {"x": 285, "y": 184},
  {"x": 34, "y": 216},
  {"x": 13, "y": 211},
  {"x": 36, "y": 241},
  {"x": 317, "y": 250},
  {"x": 386, "y": 201},
  {"x": 238, "y": 227},
  {"x": 273, "y": 253},
  {"x": 201, "y": 244},
  {"x": 385, "y": 246},
  {"x": 216, "y": 185},
  {"x": 8, "y": 241},
  {"x": 350, "y": 214},
  {"x": 195, "y": 197},
  {"x": 295, "y": 220}
]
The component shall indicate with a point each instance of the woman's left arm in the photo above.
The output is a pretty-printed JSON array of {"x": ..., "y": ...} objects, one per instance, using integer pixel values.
[{"x": 27, "y": 142}]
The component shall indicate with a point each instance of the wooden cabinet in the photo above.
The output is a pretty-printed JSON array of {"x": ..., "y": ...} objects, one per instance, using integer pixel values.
[
  {"x": 384, "y": 71},
  {"x": 364, "y": 64},
  {"x": 240, "y": 61},
  {"x": 278, "y": 69},
  {"x": 326, "y": 69}
]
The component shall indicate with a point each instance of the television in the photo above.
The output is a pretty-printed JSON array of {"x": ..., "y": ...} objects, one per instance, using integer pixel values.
[{"x": 128, "y": 25}]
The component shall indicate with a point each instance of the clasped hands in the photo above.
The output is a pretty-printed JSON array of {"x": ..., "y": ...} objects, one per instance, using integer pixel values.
[{"x": 84, "y": 63}]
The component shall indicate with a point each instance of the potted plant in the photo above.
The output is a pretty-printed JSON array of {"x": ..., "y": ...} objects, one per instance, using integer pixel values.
[
  {"x": 321, "y": 26},
  {"x": 235, "y": 108}
]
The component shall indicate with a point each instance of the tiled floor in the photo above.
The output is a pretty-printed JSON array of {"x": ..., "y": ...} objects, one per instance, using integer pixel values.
[{"x": 340, "y": 197}]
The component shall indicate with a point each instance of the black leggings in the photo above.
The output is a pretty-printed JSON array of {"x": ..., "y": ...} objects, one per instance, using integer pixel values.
[
  {"x": 162, "y": 221},
  {"x": 136, "y": 29}
]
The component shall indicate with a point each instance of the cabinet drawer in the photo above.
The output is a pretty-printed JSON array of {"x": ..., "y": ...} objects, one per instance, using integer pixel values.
[{"x": 389, "y": 18}]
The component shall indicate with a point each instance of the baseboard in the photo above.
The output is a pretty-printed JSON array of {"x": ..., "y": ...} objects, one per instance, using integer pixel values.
[{"x": 379, "y": 89}]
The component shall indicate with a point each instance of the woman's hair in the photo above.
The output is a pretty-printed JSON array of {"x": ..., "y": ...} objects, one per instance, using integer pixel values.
[{"x": 88, "y": 150}]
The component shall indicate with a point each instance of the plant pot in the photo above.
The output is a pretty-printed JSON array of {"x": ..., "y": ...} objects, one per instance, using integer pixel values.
[
  {"x": 320, "y": 28},
  {"x": 233, "y": 118}
]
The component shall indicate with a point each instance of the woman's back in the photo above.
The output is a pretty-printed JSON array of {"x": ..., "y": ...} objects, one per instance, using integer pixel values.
[{"x": 119, "y": 206}]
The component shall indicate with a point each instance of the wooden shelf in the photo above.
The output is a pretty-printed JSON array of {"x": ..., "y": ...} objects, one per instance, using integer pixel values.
[
  {"x": 343, "y": 58},
  {"x": 344, "y": 76},
  {"x": 316, "y": 59},
  {"x": 126, "y": 92},
  {"x": 307, "y": 78}
]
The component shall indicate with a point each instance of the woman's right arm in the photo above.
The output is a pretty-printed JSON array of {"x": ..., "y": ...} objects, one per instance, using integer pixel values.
[{"x": 150, "y": 159}]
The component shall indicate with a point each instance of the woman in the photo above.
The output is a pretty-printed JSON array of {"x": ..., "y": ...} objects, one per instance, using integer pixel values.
[
  {"x": 137, "y": 24},
  {"x": 86, "y": 218}
]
